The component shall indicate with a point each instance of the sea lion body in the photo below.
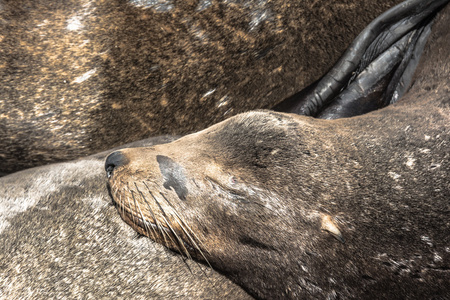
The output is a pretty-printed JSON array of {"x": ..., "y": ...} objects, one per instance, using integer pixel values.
[
  {"x": 289, "y": 206},
  {"x": 80, "y": 77},
  {"x": 62, "y": 239}
]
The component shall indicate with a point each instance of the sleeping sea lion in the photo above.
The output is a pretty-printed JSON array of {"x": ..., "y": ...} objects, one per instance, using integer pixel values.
[{"x": 289, "y": 206}]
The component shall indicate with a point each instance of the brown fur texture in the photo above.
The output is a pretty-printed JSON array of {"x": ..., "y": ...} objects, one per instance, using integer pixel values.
[
  {"x": 62, "y": 239},
  {"x": 293, "y": 207},
  {"x": 79, "y": 77}
]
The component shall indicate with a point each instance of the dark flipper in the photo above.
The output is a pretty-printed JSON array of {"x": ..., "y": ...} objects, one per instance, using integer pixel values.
[
  {"x": 382, "y": 82},
  {"x": 375, "y": 70}
]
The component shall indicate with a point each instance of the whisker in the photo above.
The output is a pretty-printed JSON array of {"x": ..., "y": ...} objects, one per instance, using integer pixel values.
[
  {"x": 153, "y": 231},
  {"x": 147, "y": 229},
  {"x": 156, "y": 222},
  {"x": 182, "y": 221},
  {"x": 197, "y": 246},
  {"x": 121, "y": 203},
  {"x": 194, "y": 243},
  {"x": 129, "y": 204},
  {"x": 162, "y": 231},
  {"x": 163, "y": 215}
]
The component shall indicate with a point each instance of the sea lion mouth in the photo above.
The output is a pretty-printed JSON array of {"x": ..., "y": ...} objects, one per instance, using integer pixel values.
[
  {"x": 162, "y": 234},
  {"x": 166, "y": 228}
]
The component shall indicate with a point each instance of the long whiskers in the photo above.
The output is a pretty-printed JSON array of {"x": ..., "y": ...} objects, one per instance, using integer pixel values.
[
  {"x": 163, "y": 233},
  {"x": 152, "y": 232},
  {"x": 129, "y": 203},
  {"x": 130, "y": 197},
  {"x": 186, "y": 232},
  {"x": 160, "y": 227},
  {"x": 164, "y": 215},
  {"x": 148, "y": 229},
  {"x": 179, "y": 241},
  {"x": 115, "y": 194},
  {"x": 156, "y": 222},
  {"x": 195, "y": 243}
]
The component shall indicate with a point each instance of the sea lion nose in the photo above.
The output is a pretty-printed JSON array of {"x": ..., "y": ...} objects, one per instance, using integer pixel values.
[{"x": 114, "y": 160}]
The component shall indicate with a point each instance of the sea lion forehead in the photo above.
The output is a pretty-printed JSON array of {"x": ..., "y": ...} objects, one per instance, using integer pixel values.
[
  {"x": 252, "y": 126},
  {"x": 264, "y": 117},
  {"x": 257, "y": 120},
  {"x": 246, "y": 128}
]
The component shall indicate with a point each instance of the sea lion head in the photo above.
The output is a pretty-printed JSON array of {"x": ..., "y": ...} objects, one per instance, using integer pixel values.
[
  {"x": 230, "y": 193},
  {"x": 211, "y": 189}
]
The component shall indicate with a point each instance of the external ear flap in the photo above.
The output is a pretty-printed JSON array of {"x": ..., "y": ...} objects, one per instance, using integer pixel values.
[{"x": 329, "y": 225}]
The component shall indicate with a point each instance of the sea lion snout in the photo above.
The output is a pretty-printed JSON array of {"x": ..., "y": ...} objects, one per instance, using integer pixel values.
[{"x": 114, "y": 160}]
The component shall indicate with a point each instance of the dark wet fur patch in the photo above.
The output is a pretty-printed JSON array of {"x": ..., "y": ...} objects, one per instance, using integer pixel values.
[{"x": 174, "y": 176}]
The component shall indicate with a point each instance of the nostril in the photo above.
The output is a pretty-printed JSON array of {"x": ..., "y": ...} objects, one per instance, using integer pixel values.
[
  {"x": 114, "y": 160},
  {"x": 109, "y": 169}
]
